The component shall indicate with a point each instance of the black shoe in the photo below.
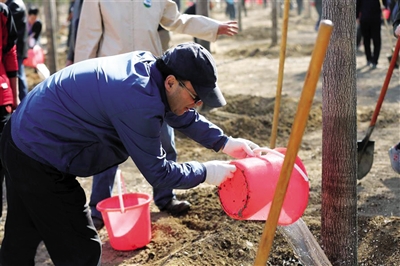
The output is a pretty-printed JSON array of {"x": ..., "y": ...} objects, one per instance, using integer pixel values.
[
  {"x": 98, "y": 223},
  {"x": 177, "y": 207}
]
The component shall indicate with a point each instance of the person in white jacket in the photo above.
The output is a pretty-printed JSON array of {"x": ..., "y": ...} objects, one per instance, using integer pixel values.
[{"x": 114, "y": 27}]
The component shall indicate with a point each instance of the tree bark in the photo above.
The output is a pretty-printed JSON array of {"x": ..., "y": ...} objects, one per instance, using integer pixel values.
[
  {"x": 274, "y": 18},
  {"x": 202, "y": 9},
  {"x": 50, "y": 11},
  {"x": 339, "y": 137}
]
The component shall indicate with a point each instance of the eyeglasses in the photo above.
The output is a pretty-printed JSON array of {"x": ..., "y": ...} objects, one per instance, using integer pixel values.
[{"x": 194, "y": 97}]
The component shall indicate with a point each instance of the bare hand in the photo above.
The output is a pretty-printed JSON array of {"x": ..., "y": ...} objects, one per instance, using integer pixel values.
[
  {"x": 15, "y": 103},
  {"x": 397, "y": 31},
  {"x": 229, "y": 28},
  {"x": 68, "y": 63}
]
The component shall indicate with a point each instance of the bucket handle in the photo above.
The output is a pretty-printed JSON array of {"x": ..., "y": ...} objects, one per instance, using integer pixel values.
[
  {"x": 265, "y": 149},
  {"x": 118, "y": 176}
]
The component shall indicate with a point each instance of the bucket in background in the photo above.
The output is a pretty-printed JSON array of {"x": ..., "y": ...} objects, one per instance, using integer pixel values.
[
  {"x": 249, "y": 193},
  {"x": 129, "y": 229}
]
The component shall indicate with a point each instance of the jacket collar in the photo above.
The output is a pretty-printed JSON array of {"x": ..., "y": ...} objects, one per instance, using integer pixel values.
[{"x": 155, "y": 75}]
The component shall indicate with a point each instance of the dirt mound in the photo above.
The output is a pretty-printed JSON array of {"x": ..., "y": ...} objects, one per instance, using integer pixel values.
[
  {"x": 257, "y": 50},
  {"x": 251, "y": 117},
  {"x": 207, "y": 236}
]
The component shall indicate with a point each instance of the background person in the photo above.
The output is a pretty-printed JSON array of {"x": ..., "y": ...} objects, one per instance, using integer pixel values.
[
  {"x": 34, "y": 26},
  {"x": 318, "y": 8},
  {"x": 396, "y": 24},
  {"x": 394, "y": 152},
  {"x": 19, "y": 14},
  {"x": 8, "y": 73},
  {"x": 90, "y": 116},
  {"x": 369, "y": 15},
  {"x": 230, "y": 9},
  {"x": 75, "y": 12},
  {"x": 100, "y": 34}
]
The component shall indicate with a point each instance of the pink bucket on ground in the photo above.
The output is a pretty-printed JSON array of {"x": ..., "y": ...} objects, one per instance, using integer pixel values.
[
  {"x": 249, "y": 193},
  {"x": 130, "y": 229}
]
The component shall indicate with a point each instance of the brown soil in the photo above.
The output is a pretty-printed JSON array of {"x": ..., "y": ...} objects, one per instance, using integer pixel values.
[{"x": 248, "y": 70}]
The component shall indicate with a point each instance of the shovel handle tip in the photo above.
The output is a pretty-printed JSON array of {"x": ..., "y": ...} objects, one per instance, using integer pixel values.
[{"x": 327, "y": 22}]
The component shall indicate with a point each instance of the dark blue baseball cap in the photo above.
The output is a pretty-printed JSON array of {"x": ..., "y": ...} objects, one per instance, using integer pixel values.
[{"x": 191, "y": 61}]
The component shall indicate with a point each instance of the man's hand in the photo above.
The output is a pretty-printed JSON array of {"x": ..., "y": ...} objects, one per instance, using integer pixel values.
[
  {"x": 218, "y": 172},
  {"x": 229, "y": 28},
  {"x": 397, "y": 31},
  {"x": 239, "y": 148},
  {"x": 68, "y": 63}
]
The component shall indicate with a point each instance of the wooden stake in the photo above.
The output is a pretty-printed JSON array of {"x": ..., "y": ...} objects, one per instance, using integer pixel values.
[
  {"x": 299, "y": 124},
  {"x": 282, "y": 57}
]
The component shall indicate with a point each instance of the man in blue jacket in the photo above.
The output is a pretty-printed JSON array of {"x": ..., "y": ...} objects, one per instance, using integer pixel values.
[{"x": 91, "y": 116}]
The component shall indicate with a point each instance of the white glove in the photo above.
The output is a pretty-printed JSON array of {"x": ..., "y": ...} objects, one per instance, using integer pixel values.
[
  {"x": 239, "y": 148},
  {"x": 218, "y": 171}
]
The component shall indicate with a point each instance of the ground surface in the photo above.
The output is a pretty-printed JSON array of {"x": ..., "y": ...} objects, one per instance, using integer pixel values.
[{"x": 248, "y": 71}]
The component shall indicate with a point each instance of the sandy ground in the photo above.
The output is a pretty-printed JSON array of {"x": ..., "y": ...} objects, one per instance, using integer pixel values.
[{"x": 248, "y": 71}]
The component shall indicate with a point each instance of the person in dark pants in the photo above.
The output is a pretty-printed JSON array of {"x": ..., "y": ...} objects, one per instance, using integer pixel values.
[
  {"x": 75, "y": 10},
  {"x": 8, "y": 76},
  {"x": 318, "y": 7},
  {"x": 18, "y": 11},
  {"x": 230, "y": 9},
  {"x": 91, "y": 116},
  {"x": 299, "y": 7},
  {"x": 369, "y": 15}
]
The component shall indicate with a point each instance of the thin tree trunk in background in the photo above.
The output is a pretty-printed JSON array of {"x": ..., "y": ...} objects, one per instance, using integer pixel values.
[
  {"x": 239, "y": 14},
  {"x": 339, "y": 137},
  {"x": 274, "y": 18},
  {"x": 307, "y": 9},
  {"x": 50, "y": 12},
  {"x": 202, "y": 9}
]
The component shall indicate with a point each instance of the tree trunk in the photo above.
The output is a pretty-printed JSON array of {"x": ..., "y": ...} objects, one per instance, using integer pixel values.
[
  {"x": 339, "y": 148},
  {"x": 202, "y": 9},
  {"x": 51, "y": 26},
  {"x": 274, "y": 18}
]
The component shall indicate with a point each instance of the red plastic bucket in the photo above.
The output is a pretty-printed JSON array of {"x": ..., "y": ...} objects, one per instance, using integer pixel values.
[
  {"x": 249, "y": 193},
  {"x": 129, "y": 228}
]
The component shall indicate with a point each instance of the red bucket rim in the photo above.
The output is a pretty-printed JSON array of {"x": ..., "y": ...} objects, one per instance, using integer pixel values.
[{"x": 148, "y": 198}]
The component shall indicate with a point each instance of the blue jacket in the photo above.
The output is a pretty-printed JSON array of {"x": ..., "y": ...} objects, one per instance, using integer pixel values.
[{"x": 94, "y": 114}]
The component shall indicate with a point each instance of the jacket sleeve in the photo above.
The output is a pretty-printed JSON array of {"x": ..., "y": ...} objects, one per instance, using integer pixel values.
[
  {"x": 198, "y": 128},
  {"x": 201, "y": 27},
  {"x": 89, "y": 31},
  {"x": 141, "y": 137},
  {"x": 36, "y": 29}
]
